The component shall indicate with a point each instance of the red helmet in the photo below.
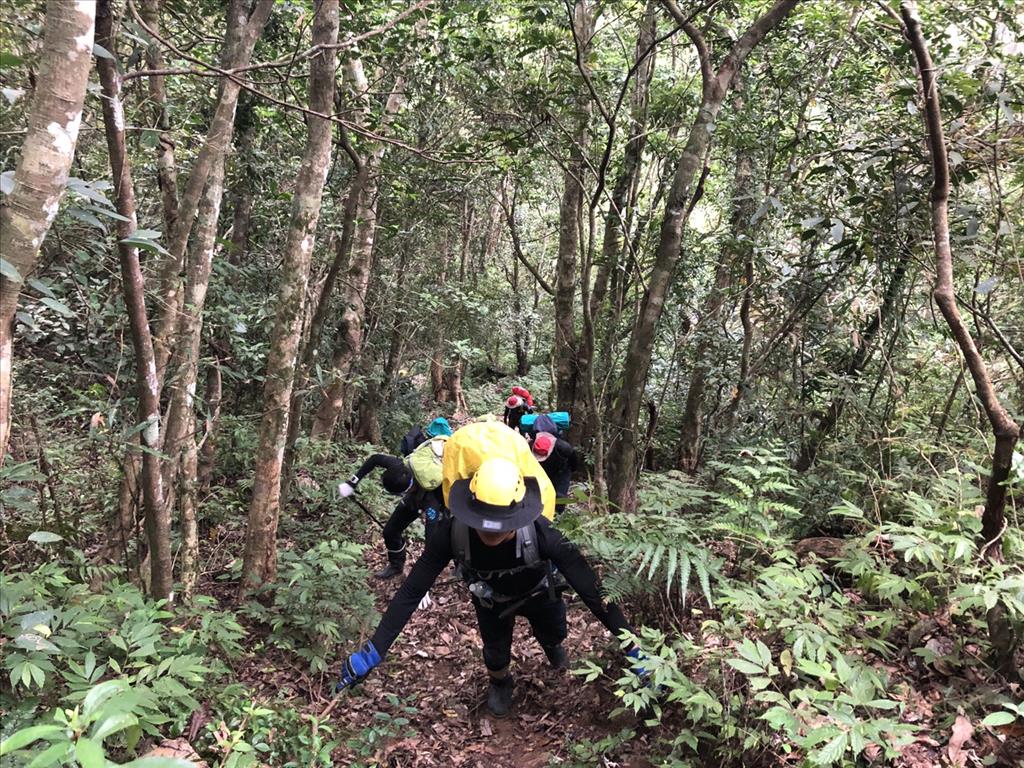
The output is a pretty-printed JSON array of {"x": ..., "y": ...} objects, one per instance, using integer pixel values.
[
  {"x": 514, "y": 402},
  {"x": 543, "y": 445}
]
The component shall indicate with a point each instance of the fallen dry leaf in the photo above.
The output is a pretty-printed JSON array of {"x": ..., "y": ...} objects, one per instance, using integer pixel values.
[{"x": 962, "y": 732}]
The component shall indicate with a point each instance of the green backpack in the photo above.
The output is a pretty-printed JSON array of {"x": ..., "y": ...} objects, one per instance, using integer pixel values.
[{"x": 425, "y": 462}]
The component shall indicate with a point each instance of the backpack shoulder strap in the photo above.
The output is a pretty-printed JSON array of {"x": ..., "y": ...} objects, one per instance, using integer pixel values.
[
  {"x": 526, "y": 545},
  {"x": 460, "y": 542}
]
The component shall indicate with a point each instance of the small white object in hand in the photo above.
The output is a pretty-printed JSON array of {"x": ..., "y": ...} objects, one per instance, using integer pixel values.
[{"x": 345, "y": 490}]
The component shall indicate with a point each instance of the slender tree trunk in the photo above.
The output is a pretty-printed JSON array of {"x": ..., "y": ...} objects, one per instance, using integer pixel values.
[
  {"x": 1004, "y": 429},
  {"x": 350, "y": 331},
  {"x": 208, "y": 452},
  {"x": 189, "y": 492},
  {"x": 42, "y": 172},
  {"x": 242, "y": 192},
  {"x": 167, "y": 174},
  {"x": 743, "y": 208},
  {"x": 158, "y": 523},
  {"x": 521, "y": 338},
  {"x": 622, "y": 449},
  {"x": 569, "y": 212},
  {"x": 311, "y": 347},
  {"x": 183, "y": 370},
  {"x": 260, "y": 558},
  {"x": 239, "y": 40}
]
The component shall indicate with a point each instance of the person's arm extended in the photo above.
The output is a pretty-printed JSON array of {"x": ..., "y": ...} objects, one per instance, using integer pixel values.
[
  {"x": 436, "y": 555},
  {"x": 376, "y": 461},
  {"x": 581, "y": 577}
]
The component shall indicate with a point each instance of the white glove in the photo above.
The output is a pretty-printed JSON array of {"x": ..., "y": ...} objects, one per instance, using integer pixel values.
[
  {"x": 345, "y": 490},
  {"x": 426, "y": 602}
]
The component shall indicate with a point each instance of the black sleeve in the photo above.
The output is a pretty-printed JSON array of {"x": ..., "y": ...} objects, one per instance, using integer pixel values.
[
  {"x": 571, "y": 455},
  {"x": 377, "y": 461},
  {"x": 436, "y": 555},
  {"x": 581, "y": 577}
]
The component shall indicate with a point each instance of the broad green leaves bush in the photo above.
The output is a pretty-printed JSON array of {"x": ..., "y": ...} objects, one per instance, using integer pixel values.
[{"x": 318, "y": 600}]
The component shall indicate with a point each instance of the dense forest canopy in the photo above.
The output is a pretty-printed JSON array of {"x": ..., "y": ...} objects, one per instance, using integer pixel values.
[{"x": 767, "y": 256}]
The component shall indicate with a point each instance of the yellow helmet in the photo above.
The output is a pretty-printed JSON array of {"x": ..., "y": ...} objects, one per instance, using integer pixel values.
[
  {"x": 498, "y": 482},
  {"x": 497, "y": 498}
]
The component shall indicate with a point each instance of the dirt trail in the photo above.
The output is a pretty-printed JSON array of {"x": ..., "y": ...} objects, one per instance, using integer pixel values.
[{"x": 436, "y": 667}]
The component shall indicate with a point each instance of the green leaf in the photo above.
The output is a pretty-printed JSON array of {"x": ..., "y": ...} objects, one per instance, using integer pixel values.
[
  {"x": 57, "y": 306},
  {"x": 118, "y": 721},
  {"x": 30, "y": 641},
  {"x": 101, "y": 693},
  {"x": 999, "y": 718},
  {"x": 831, "y": 752},
  {"x": 90, "y": 753},
  {"x": 26, "y": 736},
  {"x": 144, "y": 244},
  {"x": 9, "y": 60},
  {"x": 745, "y": 667},
  {"x": 45, "y": 537},
  {"x": 158, "y": 762},
  {"x": 58, "y": 754},
  {"x": 100, "y": 52},
  {"x": 7, "y": 270}
]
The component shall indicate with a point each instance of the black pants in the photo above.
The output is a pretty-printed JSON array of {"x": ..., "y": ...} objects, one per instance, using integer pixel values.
[
  {"x": 404, "y": 515},
  {"x": 546, "y": 617}
]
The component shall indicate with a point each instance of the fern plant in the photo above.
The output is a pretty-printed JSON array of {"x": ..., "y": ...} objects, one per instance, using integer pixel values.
[{"x": 657, "y": 548}]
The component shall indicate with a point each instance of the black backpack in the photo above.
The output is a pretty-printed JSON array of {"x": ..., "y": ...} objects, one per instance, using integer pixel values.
[
  {"x": 413, "y": 438},
  {"x": 526, "y": 548}
]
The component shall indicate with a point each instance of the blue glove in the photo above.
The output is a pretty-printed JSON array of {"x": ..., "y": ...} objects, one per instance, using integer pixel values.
[
  {"x": 358, "y": 666},
  {"x": 639, "y": 657}
]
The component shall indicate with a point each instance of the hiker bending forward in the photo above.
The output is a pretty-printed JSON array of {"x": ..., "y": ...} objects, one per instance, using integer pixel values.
[{"x": 501, "y": 501}]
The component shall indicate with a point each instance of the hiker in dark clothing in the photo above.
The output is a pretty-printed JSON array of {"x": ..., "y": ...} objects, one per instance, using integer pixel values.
[
  {"x": 501, "y": 501},
  {"x": 419, "y": 435},
  {"x": 559, "y": 459},
  {"x": 515, "y": 409},
  {"x": 398, "y": 480}
]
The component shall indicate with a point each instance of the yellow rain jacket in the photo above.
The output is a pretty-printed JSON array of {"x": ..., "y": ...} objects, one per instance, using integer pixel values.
[{"x": 468, "y": 446}]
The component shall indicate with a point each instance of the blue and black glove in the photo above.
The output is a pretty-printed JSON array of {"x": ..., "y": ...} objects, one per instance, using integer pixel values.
[
  {"x": 639, "y": 659},
  {"x": 358, "y": 666}
]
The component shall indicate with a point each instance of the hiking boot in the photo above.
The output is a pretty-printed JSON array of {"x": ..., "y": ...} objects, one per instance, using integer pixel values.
[
  {"x": 389, "y": 572},
  {"x": 499, "y": 696},
  {"x": 557, "y": 656}
]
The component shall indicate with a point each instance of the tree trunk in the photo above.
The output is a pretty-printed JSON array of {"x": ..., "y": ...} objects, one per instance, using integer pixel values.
[
  {"x": 189, "y": 491},
  {"x": 208, "y": 452},
  {"x": 311, "y": 347},
  {"x": 158, "y": 523},
  {"x": 42, "y": 172},
  {"x": 350, "y": 331},
  {"x": 1004, "y": 429},
  {"x": 183, "y": 370},
  {"x": 743, "y": 208},
  {"x": 260, "y": 558},
  {"x": 569, "y": 211},
  {"x": 239, "y": 41},
  {"x": 167, "y": 174},
  {"x": 622, "y": 449},
  {"x": 241, "y": 194},
  {"x": 620, "y": 208}
]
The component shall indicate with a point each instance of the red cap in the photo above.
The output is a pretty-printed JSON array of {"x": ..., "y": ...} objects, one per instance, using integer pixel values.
[
  {"x": 543, "y": 445},
  {"x": 514, "y": 402}
]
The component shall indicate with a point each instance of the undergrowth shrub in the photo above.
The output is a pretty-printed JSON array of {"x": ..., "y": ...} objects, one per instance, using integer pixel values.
[
  {"x": 794, "y": 657},
  {"x": 319, "y": 599}
]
